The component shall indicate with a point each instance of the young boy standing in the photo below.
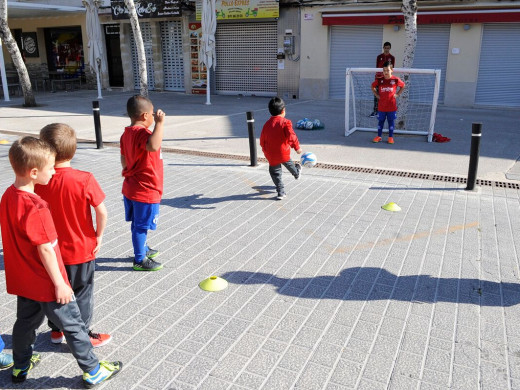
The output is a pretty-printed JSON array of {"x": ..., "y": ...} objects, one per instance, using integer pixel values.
[
  {"x": 385, "y": 89},
  {"x": 277, "y": 139},
  {"x": 142, "y": 163},
  {"x": 34, "y": 269},
  {"x": 380, "y": 61},
  {"x": 70, "y": 195}
]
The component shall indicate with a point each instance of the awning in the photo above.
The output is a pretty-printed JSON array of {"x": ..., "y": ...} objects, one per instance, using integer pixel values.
[
  {"x": 17, "y": 10},
  {"x": 423, "y": 17}
]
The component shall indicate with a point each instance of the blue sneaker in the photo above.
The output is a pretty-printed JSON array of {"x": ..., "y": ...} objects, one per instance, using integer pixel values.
[
  {"x": 106, "y": 371},
  {"x": 19, "y": 376},
  {"x": 6, "y": 360}
]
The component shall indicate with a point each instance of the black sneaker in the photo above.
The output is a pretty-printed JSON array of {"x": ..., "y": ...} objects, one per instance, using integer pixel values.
[
  {"x": 147, "y": 265},
  {"x": 299, "y": 167},
  {"x": 19, "y": 376},
  {"x": 281, "y": 195},
  {"x": 373, "y": 115},
  {"x": 152, "y": 253}
]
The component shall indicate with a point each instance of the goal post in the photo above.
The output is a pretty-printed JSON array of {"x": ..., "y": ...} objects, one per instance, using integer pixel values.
[{"x": 416, "y": 107}]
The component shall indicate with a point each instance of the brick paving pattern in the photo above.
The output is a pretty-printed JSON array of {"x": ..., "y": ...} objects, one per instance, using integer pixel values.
[{"x": 326, "y": 289}]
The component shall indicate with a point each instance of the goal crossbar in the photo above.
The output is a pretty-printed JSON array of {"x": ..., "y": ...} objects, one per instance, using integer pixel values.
[{"x": 417, "y": 108}]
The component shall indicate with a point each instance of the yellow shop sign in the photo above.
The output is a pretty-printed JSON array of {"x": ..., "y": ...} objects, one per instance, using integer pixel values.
[{"x": 242, "y": 9}]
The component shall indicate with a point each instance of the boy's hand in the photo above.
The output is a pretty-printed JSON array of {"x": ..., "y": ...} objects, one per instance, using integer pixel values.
[
  {"x": 99, "y": 241},
  {"x": 299, "y": 151},
  {"x": 159, "y": 116},
  {"x": 63, "y": 293}
]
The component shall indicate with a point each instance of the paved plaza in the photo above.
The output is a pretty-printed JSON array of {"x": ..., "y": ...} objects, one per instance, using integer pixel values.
[{"x": 326, "y": 289}]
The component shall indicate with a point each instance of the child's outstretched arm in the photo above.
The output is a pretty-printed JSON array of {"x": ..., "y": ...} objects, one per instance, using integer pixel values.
[
  {"x": 101, "y": 223},
  {"x": 50, "y": 262},
  {"x": 155, "y": 140}
]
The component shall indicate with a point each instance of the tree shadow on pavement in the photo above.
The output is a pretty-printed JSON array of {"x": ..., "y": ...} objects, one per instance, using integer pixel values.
[
  {"x": 198, "y": 201},
  {"x": 370, "y": 283}
]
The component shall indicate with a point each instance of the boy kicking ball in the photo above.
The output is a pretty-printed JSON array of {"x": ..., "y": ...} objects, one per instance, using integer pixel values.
[
  {"x": 277, "y": 139},
  {"x": 385, "y": 89}
]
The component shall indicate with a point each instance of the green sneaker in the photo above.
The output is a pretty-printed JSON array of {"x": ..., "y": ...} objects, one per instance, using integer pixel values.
[
  {"x": 6, "y": 360},
  {"x": 19, "y": 376},
  {"x": 147, "y": 265},
  {"x": 106, "y": 371},
  {"x": 152, "y": 253}
]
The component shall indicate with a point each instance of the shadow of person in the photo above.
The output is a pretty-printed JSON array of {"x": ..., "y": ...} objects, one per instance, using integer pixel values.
[
  {"x": 199, "y": 202},
  {"x": 370, "y": 283}
]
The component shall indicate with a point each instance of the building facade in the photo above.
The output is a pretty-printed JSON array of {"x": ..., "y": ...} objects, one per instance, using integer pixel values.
[{"x": 297, "y": 50}]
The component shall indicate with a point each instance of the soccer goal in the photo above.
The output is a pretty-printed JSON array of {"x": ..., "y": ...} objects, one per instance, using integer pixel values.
[{"x": 416, "y": 107}]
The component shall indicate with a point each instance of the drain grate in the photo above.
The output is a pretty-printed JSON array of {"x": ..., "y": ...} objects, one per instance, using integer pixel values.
[{"x": 338, "y": 167}]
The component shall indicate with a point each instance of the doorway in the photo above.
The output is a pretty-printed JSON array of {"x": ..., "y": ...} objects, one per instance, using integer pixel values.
[{"x": 115, "y": 65}]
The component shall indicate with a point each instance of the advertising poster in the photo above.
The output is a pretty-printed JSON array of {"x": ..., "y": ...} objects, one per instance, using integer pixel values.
[{"x": 198, "y": 72}]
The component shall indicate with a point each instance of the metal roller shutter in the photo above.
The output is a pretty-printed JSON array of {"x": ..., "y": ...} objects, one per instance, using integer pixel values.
[
  {"x": 352, "y": 47},
  {"x": 173, "y": 65},
  {"x": 431, "y": 51},
  {"x": 246, "y": 59},
  {"x": 146, "y": 32},
  {"x": 497, "y": 83}
]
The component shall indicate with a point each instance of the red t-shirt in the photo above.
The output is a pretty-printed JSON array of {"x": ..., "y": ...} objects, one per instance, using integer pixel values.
[
  {"x": 380, "y": 61},
  {"x": 387, "y": 90},
  {"x": 277, "y": 139},
  {"x": 70, "y": 194},
  {"x": 26, "y": 222},
  {"x": 144, "y": 170}
]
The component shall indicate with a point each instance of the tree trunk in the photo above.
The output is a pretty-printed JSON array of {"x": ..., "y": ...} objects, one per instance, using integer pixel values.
[
  {"x": 16, "y": 56},
  {"x": 409, "y": 9},
  {"x": 138, "y": 38}
]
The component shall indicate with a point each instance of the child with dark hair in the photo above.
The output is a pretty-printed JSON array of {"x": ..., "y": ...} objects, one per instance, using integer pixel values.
[
  {"x": 71, "y": 194},
  {"x": 142, "y": 163},
  {"x": 34, "y": 269},
  {"x": 277, "y": 139},
  {"x": 380, "y": 61},
  {"x": 385, "y": 89}
]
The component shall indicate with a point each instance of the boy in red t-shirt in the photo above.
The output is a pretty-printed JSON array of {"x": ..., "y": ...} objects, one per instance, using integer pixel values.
[
  {"x": 142, "y": 163},
  {"x": 70, "y": 195},
  {"x": 277, "y": 139},
  {"x": 380, "y": 61},
  {"x": 385, "y": 89},
  {"x": 34, "y": 270}
]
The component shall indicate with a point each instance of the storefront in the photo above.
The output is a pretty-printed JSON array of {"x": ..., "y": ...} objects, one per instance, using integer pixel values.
[
  {"x": 497, "y": 83},
  {"x": 475, "y": 49}
]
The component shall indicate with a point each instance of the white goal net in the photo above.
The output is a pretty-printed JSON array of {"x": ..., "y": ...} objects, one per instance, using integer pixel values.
[{"x": 416, "y": 107}]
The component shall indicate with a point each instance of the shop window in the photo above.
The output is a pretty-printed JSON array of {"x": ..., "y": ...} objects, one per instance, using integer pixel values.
[{"x": 64, "y": 48}]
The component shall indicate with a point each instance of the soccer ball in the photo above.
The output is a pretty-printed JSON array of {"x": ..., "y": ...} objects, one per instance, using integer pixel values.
[{"x": 308, "y": 159}]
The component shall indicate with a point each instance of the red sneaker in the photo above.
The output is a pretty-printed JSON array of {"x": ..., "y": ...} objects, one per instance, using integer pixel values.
[
  {"x": 376, "y": 139},
  {"x": 57, "y": 337},
  {"x": 99, "y": 339}
]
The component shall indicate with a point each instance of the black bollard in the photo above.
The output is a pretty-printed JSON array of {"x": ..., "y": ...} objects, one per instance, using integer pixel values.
[
  {"x": 476, "y": 132},
  {"x": 252, "y": 139},
  {"x": 97, "y": 124}
]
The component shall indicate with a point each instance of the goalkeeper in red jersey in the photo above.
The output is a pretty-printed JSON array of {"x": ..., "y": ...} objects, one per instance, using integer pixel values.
[{"x": 385, "y": 89}]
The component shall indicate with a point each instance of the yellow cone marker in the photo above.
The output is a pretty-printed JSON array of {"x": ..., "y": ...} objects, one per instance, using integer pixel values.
[
  {"x": 4, "y": 141},
  {"x": 391, "y": 207},
  {"x": 213, "y": 283}
]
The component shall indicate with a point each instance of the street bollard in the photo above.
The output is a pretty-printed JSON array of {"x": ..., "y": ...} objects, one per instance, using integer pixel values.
[
  {"x": 252, "y": 139},
  {"x": 476, "y": 132},
  {"x": 97, "y": 124}
]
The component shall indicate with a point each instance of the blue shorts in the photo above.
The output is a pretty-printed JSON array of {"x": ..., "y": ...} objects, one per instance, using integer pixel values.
[
  {"x": 391, "y": 115},
  {"x": 142, "y": 215}
]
